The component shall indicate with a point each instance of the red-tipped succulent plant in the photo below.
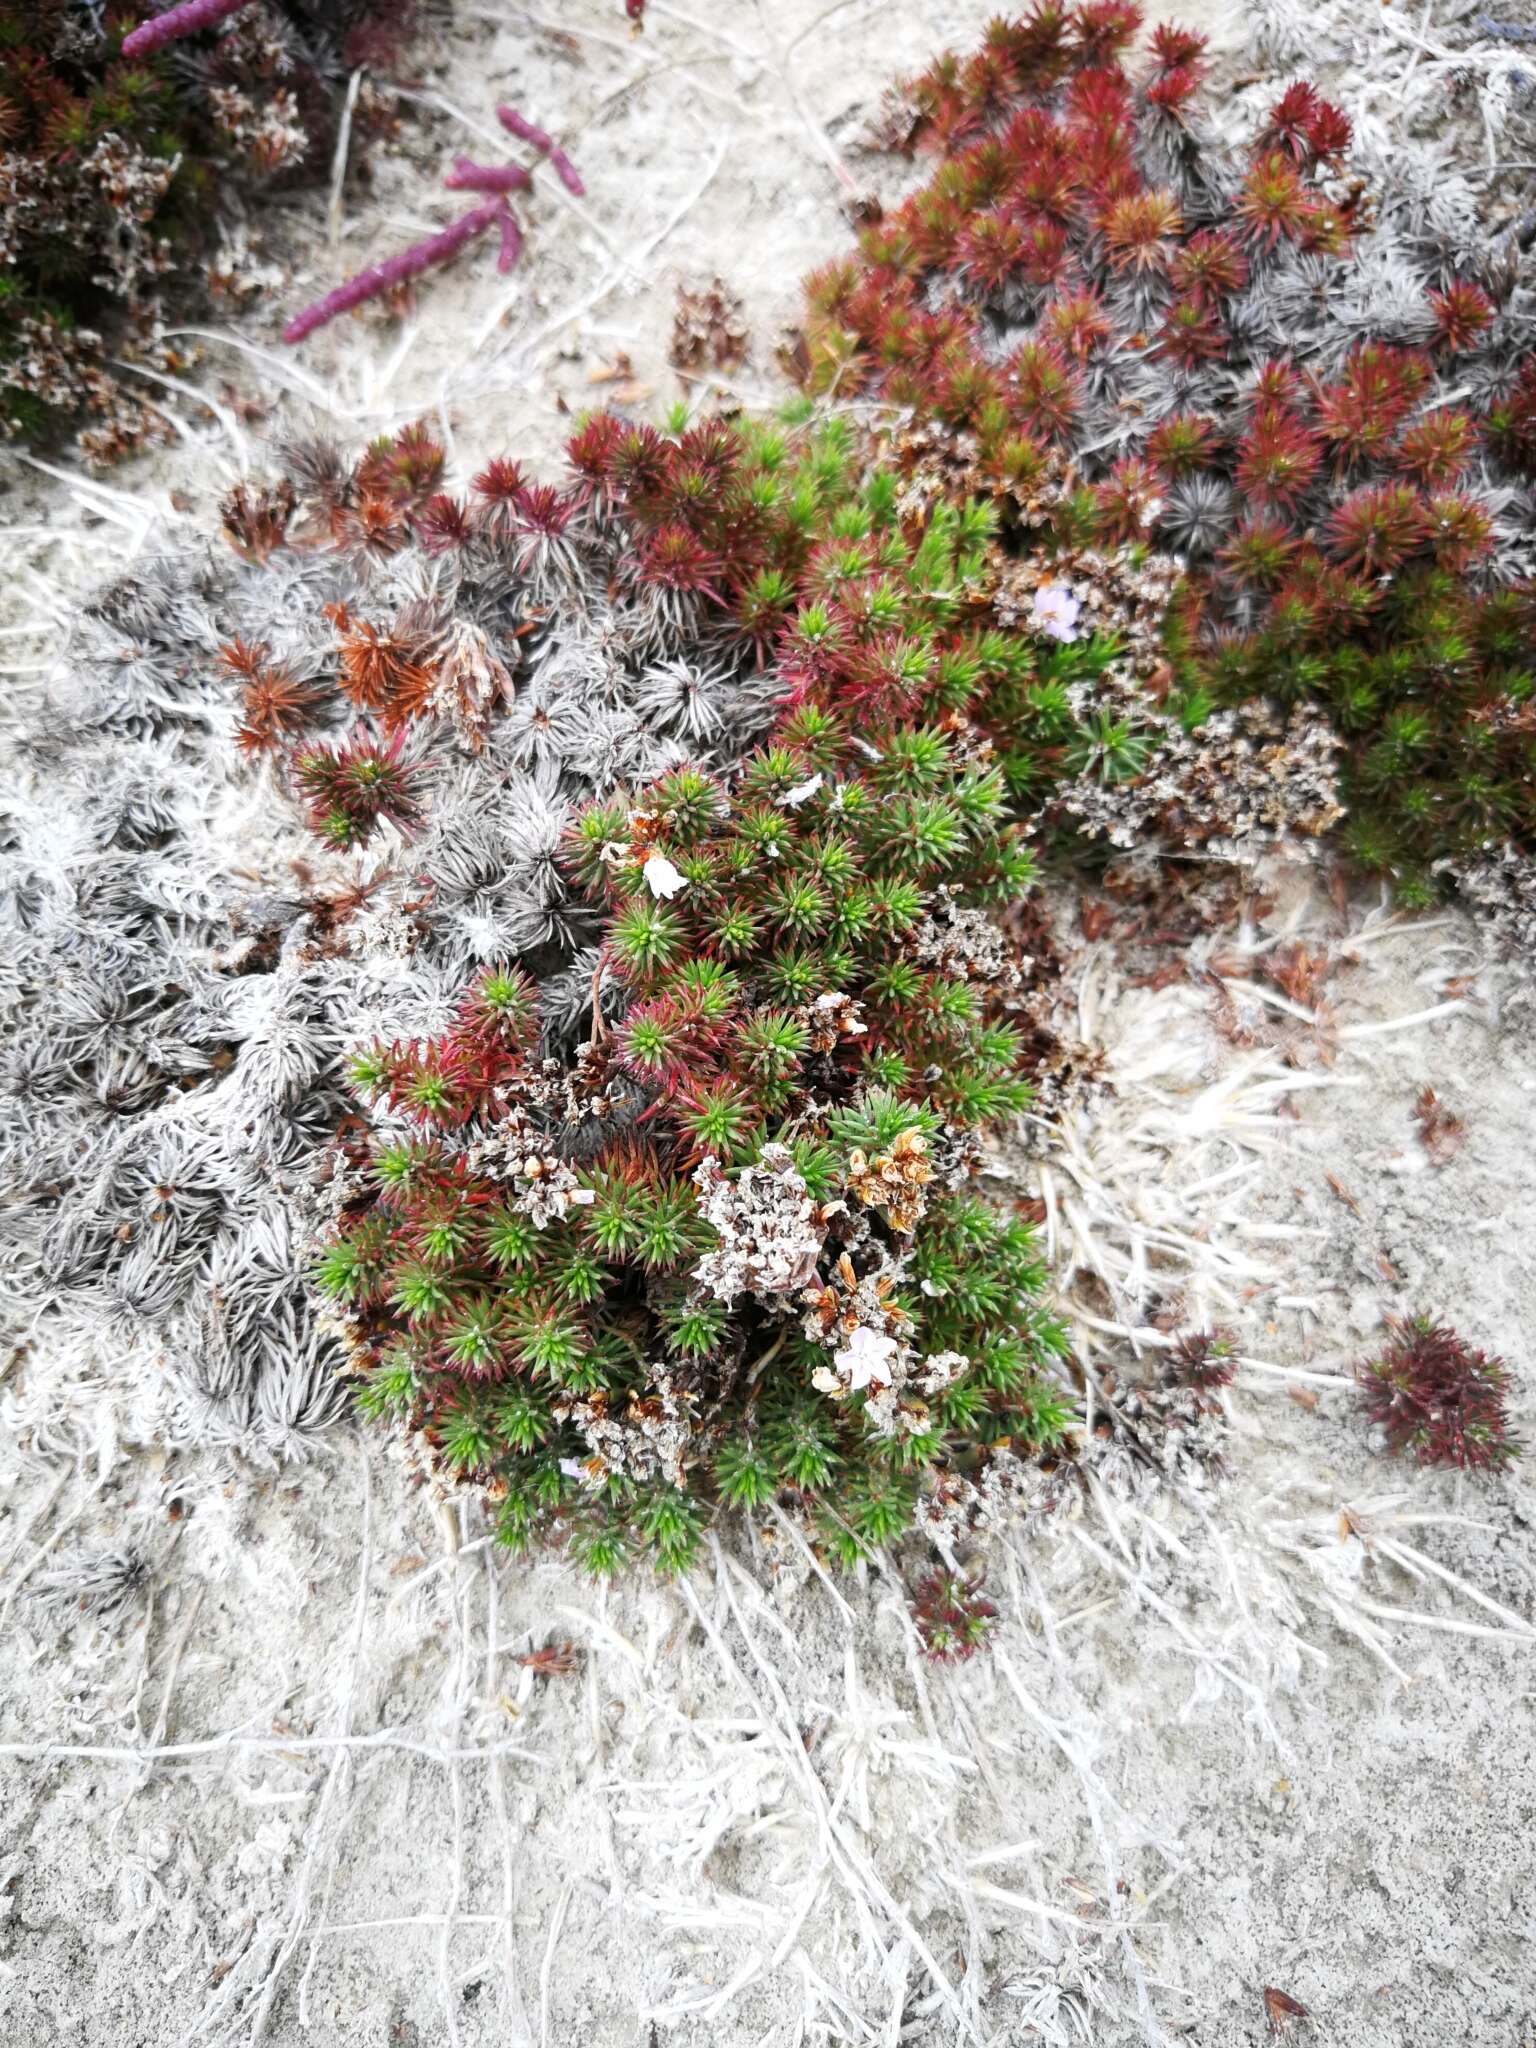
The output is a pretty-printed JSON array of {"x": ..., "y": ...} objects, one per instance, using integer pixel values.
[{"x": 1438, "y": 1399}]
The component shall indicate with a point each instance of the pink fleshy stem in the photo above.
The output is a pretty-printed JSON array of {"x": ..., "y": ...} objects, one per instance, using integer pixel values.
[
  {"x": 526, "y": 131},
  {"x": 511, "y": 243},
  {"x": 368, "y": 284},
  {"x": 468, "y": 176},
  {"x": 567, "y": 173},
  {"x": 177, "y": 22}
]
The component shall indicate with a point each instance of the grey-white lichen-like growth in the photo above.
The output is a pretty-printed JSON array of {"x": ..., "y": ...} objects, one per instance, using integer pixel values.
[
  {"x": 1501, "y": 882},
  {"x": 1448, "y": 92},
  {"x": 1248, "y": 781},
  {"x": 1252, "y": 780},
  {"x": 1158, "y": 1434},
  {"x": 188, "y": 966},
  {"x": 771, "y": 1232}
]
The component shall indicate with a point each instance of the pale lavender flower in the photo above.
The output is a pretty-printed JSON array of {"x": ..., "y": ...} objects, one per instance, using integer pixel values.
[{"x": 1056, "y": 610}]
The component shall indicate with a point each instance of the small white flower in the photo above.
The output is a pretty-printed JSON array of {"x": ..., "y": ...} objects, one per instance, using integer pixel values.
[
  {"x": 843, "y": 1011},
  {"x": 865, "y": 1357},
  {"x": 662, "y": 878},
  {"x": 802, "y": 792},
  {"x": 1056, "y": 610}
]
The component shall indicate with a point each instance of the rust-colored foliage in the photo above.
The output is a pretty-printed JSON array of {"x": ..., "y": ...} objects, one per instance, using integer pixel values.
[
  {"x": 1441, "y": 1133},
  {"x": 953, "y": 1620},
  {"x": 1438, "y": 1398},
  {"x": 1340, "y": 527},
  {"x": 274, "y": 703},
  {"x": 382, "y": 669},
  {"x": 1203, "y": 1360},
  {"x": 551, "y": 1660}
]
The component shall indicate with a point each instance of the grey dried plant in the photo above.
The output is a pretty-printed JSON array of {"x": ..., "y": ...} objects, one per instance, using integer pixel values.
[
  {"x": 187, "y": 967},
  {"x": 100, "y": 1584}
]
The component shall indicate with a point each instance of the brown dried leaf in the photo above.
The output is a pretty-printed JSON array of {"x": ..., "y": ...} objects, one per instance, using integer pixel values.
[
  {"x": 1282, "y": 2010},
  {"x": 708, "y": 331},
  {"x": 1299, "y": 973},
  {"x": 616, "y": 372},
  {"x": 793, "y": 354},
  {"x": 1171, "y": 972},
  {"x": 1227, "y": 1017},
  {"x": 1343, "y": 1193},
  {"x": 553, "y": 1660},
  {"x": 1441, "y": 1134}
]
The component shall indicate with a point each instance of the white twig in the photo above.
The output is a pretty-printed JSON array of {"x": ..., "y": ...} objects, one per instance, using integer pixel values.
[
  {"x": 339, "y": 159},
  {"x": 546, "y": 1968}
]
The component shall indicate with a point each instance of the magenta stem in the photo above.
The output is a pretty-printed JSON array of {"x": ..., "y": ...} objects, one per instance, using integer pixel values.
[
  {"x": 468, "y": 176},
  {"x": 526, "y": 131},
  {"x": 368, "y": 284},
  {"x": 511, "y": 243},
  {"x": 567, "y": 173},
  {"x": 177, "y": 22},
  {"x": 518, "y": 124}
]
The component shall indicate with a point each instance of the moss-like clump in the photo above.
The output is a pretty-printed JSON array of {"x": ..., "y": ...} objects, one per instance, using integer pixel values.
[
  {"x": 727, "y": 1249},
  {"x": 1136, "y": 335},
  {"x": 1162, "y": 529},
  {"x": 1437, "y": 1399}
]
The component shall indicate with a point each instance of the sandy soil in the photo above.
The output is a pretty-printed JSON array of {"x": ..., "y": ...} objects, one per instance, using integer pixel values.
[
  {"x": 1226, "y": 1742},
  {"x": 1236, "y": 1736},
  {"x": 724, "y": 141}
]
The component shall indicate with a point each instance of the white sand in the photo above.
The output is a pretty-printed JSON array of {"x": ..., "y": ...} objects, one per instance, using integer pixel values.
[{"x": 1227, "y": 1741}]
